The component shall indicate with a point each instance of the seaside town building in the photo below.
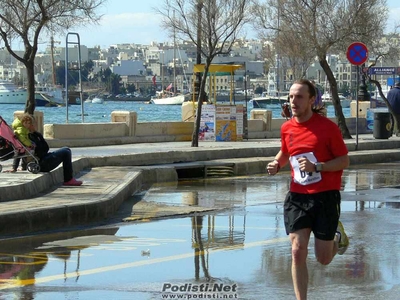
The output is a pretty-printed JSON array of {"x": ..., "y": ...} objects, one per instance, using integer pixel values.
[{"x": 137, "y": 64}]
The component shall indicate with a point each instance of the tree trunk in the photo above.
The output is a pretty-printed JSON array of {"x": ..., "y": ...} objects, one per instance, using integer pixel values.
[
  {"x": 30, "y": 101},
  {"x": 195, "y": 136},
  {"x": 196, "y": 129},
  {"x": 341, "y": 120}
]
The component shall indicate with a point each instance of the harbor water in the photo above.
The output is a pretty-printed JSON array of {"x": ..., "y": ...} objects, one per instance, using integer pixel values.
[{"x": 101, "y": 113}]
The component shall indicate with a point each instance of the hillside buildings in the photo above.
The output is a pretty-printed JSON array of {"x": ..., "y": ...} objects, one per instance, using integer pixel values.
[{"x": 138, "y": 64}]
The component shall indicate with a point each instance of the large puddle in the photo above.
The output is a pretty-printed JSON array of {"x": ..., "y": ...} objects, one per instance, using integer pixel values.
[{"x": 241, "y": 252}]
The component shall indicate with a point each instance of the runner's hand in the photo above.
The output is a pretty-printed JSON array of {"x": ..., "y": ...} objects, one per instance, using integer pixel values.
[
  {"x": 305, "y": 165},
  {"x": 273, "y": 167}
]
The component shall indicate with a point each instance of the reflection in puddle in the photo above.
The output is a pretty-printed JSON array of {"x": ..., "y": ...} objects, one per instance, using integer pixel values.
[
  {"x": 244, "y": 245},
  {"x": 232, "y": 192}
]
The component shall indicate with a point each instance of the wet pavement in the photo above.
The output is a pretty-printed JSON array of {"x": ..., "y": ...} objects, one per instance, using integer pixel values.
[{"x": 240, "y": 247}]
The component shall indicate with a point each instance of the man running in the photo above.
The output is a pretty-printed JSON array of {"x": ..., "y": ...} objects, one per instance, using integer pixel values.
[{"x": 314, "y": 147}]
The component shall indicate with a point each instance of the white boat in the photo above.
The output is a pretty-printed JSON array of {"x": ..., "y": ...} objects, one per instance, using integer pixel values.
[
  {"x": 173, "y": 100},
  {"x": 264, "y": 100},
  {"x": 11, "y": 94},
  {"x": 327, "y": 100},
  {"x": 166, "y": 97},
  {"x": 97, "y": 100},
  {"x": 53, "y": 93}
]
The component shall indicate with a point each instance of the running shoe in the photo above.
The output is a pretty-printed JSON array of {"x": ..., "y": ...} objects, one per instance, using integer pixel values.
[{"x": 343, "y": 239}]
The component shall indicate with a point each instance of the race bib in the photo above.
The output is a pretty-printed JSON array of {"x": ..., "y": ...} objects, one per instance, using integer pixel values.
[{"x": 302, "y": 177}]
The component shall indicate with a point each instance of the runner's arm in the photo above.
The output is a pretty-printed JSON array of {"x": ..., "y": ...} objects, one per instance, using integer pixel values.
[
  {"x": 336, "y": 164},
  {"x": 281, "y": 160}
]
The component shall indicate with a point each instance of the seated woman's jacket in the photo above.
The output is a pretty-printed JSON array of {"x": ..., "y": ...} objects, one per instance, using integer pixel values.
[{"x": 42, "y": 148}]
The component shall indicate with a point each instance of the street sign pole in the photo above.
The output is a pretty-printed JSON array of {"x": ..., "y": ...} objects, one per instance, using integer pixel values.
[
  {"x": 358, "y": 82},
  {"x": 357, "y": 54}
]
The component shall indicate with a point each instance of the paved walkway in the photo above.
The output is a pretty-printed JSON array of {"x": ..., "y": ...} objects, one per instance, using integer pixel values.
[{"x": 37, "y": 202}]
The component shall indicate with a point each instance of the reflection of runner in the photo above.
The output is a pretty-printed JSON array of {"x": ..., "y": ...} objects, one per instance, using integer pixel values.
[{"x": 317, "y": 154}]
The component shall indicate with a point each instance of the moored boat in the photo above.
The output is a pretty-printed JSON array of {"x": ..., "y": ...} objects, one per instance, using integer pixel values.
[
  {"x": 11, "y": 94},
  {"x": 44, "y": 100},
  {"x": 97, "y": 100},
  {"x": 173, "y": 100},
  {"x": 327, "y": 100},
  {"x": 265, "y": 100}
]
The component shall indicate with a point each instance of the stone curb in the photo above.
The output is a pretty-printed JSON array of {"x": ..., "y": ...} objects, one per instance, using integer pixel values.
[
  {"x": 41, "y": 182},
  {"x": 45, "y": 181},
  {"x": 41, "y": 216}
]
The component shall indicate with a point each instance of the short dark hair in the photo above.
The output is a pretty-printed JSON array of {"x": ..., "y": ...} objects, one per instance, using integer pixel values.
[{"x": 311, "y": 88}]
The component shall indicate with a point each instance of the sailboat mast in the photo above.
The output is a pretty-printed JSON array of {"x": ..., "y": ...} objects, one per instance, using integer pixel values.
[{"x": 53, "y": 72}]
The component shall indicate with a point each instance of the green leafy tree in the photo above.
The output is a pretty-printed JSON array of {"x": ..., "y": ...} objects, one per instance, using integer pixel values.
[
  {"x": 60, "y": 73},
  {"x": 87, "y": 67},
  {"x": 344, "y": 90},
  {"x": 25, "y": 20},
  {"x": 131, "y": 88},
  {"x": 115, "y": 83}
]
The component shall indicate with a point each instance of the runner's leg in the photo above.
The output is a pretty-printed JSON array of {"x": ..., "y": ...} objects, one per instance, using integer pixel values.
[
  {"x": 299, "y": 240},
  {"x": 325, "y": 251}
]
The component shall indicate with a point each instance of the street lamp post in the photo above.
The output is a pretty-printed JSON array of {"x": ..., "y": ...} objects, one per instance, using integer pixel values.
[{"x": 363, "y": 94}]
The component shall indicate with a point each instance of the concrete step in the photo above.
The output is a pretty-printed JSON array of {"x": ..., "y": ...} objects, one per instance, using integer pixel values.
[{"x": 103, "y": 191}]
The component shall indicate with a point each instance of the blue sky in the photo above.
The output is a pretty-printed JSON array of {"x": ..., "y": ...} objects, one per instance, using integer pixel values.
[
  {"x": 124, "y": 21},
  {"x": 128, "y": 21}
]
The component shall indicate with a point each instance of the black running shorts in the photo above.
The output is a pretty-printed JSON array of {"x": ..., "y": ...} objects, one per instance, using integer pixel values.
[{"x": 320, "y": 212}]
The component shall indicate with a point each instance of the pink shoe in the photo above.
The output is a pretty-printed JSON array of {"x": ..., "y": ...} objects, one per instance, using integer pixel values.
[{"x": 73, "y": 182}]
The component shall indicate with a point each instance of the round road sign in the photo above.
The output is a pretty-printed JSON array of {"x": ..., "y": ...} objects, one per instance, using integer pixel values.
[{"x": 357, "y": 53}]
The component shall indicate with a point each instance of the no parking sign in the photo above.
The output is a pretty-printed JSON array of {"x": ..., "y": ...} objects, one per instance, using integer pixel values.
[{"x": 357, "y": 53}]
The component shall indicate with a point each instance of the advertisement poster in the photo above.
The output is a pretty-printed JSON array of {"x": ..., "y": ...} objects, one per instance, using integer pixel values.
[
  {"x": 207, "y": 123},
  {"x": 239, "y": 122},
  {"x": 225, "y": 123}
]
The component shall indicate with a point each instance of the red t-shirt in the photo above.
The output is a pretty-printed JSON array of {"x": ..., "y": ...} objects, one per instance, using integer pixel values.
[{"x": 320, "y": 140}]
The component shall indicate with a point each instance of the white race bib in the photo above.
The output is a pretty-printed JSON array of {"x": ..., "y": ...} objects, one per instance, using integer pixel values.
[{"x": 302, "y": 177}]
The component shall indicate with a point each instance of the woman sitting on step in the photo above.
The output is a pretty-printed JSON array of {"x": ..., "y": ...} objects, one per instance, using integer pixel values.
[{"x": 50, "y": 160}]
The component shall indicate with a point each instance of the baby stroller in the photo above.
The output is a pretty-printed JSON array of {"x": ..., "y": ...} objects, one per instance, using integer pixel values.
[{"x": 11, "y": 147}]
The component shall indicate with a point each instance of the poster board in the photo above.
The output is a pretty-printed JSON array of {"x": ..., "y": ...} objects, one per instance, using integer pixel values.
[
  {"x": 207, "y": 123},
  {"x": 225, "y": 123},
  {"x": 239, "y": 122},
  {"x": 221, "y": 123}
]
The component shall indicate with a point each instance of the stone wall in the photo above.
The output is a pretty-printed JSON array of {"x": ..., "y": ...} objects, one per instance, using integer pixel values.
[{"x": 124, "y": 129}]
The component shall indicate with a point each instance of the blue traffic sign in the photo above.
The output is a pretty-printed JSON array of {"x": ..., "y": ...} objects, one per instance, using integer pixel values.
[
  {"x": 357, "y": 53},
  {"x": 383, "y": 70}
]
